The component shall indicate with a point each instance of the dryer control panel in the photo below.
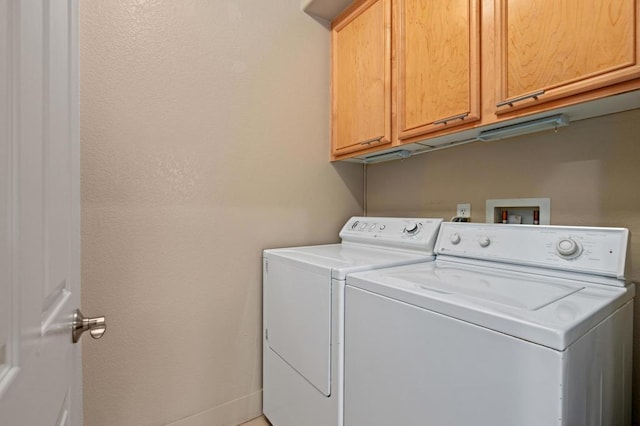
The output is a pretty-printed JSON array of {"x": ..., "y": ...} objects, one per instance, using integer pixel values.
[
  {"x": 410, "y": 234},
  {"x": 592, "y": 250}
]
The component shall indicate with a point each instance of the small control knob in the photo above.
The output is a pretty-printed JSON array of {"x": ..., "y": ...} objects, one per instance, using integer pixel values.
[
  {"x": 568, "y": 248},
  {"x": 455, "y": 238},
  {"x": 412, "y": 229},
  {"x": 484, "y": 241}
]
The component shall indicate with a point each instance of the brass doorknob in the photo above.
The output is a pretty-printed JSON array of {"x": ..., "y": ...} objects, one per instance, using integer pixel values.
[{"x": 96, "y": 326}]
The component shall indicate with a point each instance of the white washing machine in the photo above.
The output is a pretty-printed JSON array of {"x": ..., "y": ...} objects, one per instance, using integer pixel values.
[
  {"x": 303, "y": 313},
  {"x": 511, "y": 325}
]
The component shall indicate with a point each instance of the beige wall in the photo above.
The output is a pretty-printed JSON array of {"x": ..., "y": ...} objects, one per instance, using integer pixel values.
[
  {"x": 205, "y": 139},
  {"x": 590, "y": 170}
]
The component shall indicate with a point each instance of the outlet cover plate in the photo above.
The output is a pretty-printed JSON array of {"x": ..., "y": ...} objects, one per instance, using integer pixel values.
[{"x": 464, "y": 210}]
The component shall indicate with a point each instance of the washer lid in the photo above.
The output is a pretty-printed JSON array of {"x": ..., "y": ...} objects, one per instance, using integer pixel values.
[
  {"x": 341, "y": 259},
  {"x": 529, "y": 294},
  {"x": 550, "y": 311}
]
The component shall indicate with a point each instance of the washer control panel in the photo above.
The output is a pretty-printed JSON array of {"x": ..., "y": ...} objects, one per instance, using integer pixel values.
[
  {"x": 600, "y": 251},
  {"x": 415, "y": 234}
]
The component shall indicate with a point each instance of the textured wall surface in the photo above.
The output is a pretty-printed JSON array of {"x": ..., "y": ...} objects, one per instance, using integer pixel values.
[
  {"x": 205, "y": 139},
  {"x": 590, "y": 170}
]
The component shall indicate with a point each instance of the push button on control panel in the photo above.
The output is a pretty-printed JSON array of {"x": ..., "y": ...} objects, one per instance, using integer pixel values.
[
  {"x": 484, "y": 241},
  {"x": 455, "y": 238}
]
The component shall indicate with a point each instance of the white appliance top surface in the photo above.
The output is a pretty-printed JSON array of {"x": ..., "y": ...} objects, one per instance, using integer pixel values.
[
  {"x": 368, "y": 243},
  {"x": 342, "y": 259},
  {"x": 550, "y": 311}
]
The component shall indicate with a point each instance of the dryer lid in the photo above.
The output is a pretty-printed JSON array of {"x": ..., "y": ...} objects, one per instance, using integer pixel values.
[{"x": 338, "y": 260}]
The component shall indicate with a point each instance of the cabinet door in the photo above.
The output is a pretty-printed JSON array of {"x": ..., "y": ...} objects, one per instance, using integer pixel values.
[
  {"x": 438, "y": 70},
  {"x": 361, "y": 78},
  {"x": 552, "y": 49}
]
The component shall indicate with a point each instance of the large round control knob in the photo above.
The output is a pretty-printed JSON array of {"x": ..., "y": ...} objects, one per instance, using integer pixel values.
[
  {"x": 568, "y": 248},
  {"x": 455, "y": 238},
  {"x": 412, "y": 229},
  {"x": 484, "y": 241}
]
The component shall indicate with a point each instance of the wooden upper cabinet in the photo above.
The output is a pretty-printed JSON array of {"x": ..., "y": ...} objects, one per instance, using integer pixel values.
[
  {"x": 361, "y": 77},
  {"x": 552, "y": 49},
  {"x": 406, "y": 71},
  {"x": 437, "y": 50}
]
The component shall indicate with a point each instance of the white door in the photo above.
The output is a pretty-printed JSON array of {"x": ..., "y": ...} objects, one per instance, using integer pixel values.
[{"x": 40, "y": 371}]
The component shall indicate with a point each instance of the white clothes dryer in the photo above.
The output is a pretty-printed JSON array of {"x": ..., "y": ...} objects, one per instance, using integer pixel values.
[
  {"x": 511, "y": 325},
  {"x": 303, "y": 313}
]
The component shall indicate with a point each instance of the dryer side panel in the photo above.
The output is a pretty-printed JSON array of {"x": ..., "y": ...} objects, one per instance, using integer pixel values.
[{"x": 298, "y": 319}]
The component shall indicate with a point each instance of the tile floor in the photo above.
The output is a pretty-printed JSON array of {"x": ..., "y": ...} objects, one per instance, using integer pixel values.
[{"x": 259, "y": 421}]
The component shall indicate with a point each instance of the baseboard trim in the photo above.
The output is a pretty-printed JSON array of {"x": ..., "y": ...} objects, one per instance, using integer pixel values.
[{"x": 231, "y": 413}]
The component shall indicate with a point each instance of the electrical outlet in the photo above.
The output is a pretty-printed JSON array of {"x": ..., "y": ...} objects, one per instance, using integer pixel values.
[{"x": 464, "y": 210}]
